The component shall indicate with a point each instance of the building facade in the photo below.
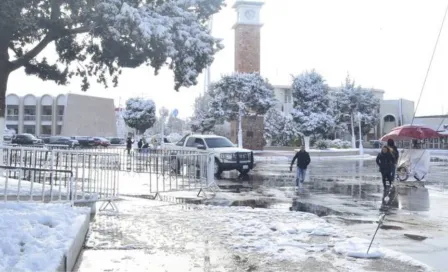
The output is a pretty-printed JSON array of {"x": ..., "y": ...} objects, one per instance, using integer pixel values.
[{"x": 64, "y": 114}]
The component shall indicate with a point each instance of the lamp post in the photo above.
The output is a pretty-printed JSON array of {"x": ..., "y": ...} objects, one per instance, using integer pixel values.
[
  {"x": 163, "y": 114},
  {"x": 361, "y": 148}
]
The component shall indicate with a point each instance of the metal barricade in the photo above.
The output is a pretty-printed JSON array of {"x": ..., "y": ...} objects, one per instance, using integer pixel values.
[
  {"x": 51, "y": 189},
  {"x": 95, "y": 175}
]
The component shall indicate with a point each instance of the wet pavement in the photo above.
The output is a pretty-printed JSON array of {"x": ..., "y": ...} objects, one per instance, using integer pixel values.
[{"x": 148, "y": 235}]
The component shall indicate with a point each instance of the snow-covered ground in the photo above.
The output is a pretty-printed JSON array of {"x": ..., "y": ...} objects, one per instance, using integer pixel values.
[
  {"x": 35, "y": 236},
  {"x": 25, "y": 188},
  {"x": 220, "y": 237}
]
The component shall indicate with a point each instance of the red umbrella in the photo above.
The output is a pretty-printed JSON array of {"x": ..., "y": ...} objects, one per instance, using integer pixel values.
[{"x": 410, "y": 132}]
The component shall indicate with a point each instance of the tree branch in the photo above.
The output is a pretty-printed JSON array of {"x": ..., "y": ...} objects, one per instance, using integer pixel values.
[
  {"x": 32, "y": 53},
  {"x": 19, "y": 62}
]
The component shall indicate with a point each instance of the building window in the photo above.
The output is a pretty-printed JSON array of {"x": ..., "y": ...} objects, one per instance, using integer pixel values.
[
  {"x": 29, "y": 129},
  {"x": 45, "y": 130},
  {"x": 12, "y": 110},
  {"x": 389, "y": 118},
  {"x": 30, "y": 110},
  {"x": 60, "y": 110},
  {"x": 58, "y": 130},
  {"x": 47, "y": 110}
]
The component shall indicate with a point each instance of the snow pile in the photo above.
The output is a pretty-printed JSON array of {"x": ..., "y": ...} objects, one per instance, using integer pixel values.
[
  {"x": 357, "y": 248},
  {"x": 25, "y": 189},
  {"x": 34, "y": 237}
]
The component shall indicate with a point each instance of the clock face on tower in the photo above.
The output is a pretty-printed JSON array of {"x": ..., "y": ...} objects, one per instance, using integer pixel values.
[{"x": 249, "y": 14}]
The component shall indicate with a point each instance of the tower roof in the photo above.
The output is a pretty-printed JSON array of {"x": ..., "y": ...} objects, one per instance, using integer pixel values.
[{"x": 246, "y": 2}]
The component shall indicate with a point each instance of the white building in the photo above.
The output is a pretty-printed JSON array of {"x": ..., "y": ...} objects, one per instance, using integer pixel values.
[{"x": 64, "y": 114}]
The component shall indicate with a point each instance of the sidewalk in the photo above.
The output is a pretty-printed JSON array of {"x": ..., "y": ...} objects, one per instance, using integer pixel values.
[{"x": 155, "y": 236}]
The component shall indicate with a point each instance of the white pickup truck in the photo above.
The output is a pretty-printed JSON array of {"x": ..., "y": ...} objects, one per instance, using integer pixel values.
[{"x": 227, "y": 156}]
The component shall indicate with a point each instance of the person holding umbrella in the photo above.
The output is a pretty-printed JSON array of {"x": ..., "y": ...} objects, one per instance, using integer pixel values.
[{"x": 394, "y": 151}]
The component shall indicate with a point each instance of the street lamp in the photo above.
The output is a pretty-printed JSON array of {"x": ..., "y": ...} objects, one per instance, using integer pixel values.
[
  {"x": 163, "y": 114},
  {"x": 361, "y": 148}
]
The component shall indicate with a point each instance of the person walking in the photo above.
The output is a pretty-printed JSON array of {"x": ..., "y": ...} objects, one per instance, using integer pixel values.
[
  {"x": 396, "y": 154},
  {"x": 303, "y": 160},
  {"x": 385, "y": 161},
  {"x": 140, "y": 144},
  {"x": 129, "y": 143}
]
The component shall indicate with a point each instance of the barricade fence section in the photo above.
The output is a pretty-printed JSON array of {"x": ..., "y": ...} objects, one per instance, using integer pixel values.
[
  {"x": 94, "y": 175},
  {"x": 50, "y": 188}
]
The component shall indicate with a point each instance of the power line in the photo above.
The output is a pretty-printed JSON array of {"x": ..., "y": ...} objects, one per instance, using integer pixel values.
[{"x": 430, "y": 64}]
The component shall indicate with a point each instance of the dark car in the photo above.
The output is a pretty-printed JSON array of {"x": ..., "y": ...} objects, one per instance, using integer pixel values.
[
  {"x": 61, "y": 140},
  {"x": 45, "y": 139},
  {"x": 116, "y": 140},
  {"x": 84, "y": 141},
  {"x": 102, "y": 142},
  {"x": 26, "y": 139}
]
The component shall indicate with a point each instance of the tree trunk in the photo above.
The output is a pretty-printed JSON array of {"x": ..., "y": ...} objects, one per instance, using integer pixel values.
[
  {"x": 4, "y": 75},
  {"x": 353, "y": 131},
  {"x": 240, "y": 130}
]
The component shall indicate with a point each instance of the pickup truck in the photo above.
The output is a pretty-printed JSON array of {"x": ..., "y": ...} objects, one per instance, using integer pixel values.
[{"x": 227, "y": 156}]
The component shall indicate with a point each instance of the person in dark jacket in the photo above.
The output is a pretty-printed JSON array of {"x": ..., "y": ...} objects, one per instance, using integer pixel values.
[
  {"x": 385, "y": 161},
  {"x": 140, "y": 144},
  {"x": 129, "y": 143},
  {"x": 303, "y": 160},
  {"x": 396, "y": 154}
]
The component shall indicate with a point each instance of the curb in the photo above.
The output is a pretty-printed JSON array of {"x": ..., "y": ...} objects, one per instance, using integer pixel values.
[{"x": 69, "y": 259}]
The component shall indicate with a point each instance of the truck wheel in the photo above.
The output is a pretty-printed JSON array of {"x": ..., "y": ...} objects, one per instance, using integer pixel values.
[{"x": 218, "y": 170}]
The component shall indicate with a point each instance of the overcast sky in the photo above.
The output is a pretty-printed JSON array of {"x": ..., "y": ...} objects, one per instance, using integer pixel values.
[{"x": 385, "y": 44}]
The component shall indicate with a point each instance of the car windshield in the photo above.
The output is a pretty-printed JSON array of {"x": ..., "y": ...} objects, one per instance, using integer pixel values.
[{"x": 218, "y": 142}]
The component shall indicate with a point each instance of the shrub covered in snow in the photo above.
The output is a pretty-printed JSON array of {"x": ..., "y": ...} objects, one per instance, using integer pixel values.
[
  {"x": 340, "y": 144},
  {"x": 312, "y": 111},
  {"x": 280, "y": 128},
  {"x": 321, "y": 144},
  {"x": 140, "y": 113}
]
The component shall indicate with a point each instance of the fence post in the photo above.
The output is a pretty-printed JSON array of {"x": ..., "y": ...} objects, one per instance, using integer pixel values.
[{"x": 210, "y": 169}]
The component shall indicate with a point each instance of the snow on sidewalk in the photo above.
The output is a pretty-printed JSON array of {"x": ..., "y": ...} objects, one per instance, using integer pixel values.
[
  {"x": 35, "y": 236},
  {"x": 271, "y": 240}
]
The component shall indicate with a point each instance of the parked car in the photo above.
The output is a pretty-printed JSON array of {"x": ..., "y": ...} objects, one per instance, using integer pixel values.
[
  {"x": 61, "y": 140},
  {"x": 26, "y": 139},
  {"x": 45, "y": 139},
  {"x": 227, "y": 156},
  {"x": 102, "y": 142},
  {"x": 115, "y": 140},
  {"x": 84, "y": 141}
]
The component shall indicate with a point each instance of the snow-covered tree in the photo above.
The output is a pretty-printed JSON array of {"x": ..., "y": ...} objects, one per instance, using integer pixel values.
[
  {"x": 238, "y": 95},
  {"x": 140, "y": 114},
  {"x": 97, "y": 38},
  {"x": 280, "y": 128},
  {"x": 174, "y": 125},
  {"x": 312, "y": 111},
  {"x": 350, "y": 101},
  {"x": 202, "y": 121}
]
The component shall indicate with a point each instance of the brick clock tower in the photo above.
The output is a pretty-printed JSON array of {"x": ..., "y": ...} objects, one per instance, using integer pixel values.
[{"x": 247, "y": 60}]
